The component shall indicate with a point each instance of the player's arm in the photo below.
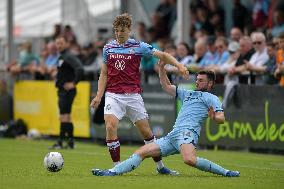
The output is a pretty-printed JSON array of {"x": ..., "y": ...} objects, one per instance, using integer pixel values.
[
  {"x": 219, "y": 116},
  {"x": 101, "y": 87},
  {"x": 164, "y": 80},
  {"x": 168, "y": 59}
]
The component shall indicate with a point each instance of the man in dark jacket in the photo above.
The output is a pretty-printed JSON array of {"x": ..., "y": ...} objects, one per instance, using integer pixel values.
[{"x": 69, "y": 72}]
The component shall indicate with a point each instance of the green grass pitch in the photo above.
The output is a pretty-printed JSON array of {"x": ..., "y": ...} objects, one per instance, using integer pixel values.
[{"x": 21, "y": 166}]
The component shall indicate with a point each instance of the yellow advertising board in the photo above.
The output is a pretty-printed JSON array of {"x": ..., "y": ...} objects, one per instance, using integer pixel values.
[{"x": 36, "y": 102}]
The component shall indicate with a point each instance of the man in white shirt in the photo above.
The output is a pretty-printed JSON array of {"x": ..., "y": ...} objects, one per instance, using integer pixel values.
[{"x": 256, "y": 62}]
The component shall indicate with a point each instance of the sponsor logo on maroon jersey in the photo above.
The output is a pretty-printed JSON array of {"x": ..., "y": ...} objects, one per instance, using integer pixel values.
[
  {"x": 120, "y": 56},
  {"x": 119, "y": 64}
]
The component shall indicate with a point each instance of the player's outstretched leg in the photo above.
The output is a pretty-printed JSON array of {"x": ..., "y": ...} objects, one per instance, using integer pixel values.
[
  {"x": 208, "y": 166},
  {"x": 126, "y": 166},
  {"x": 161, "y": 169}
]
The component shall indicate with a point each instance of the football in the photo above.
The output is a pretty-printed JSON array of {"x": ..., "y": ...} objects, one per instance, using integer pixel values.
[{"x": 53, "y": 161}]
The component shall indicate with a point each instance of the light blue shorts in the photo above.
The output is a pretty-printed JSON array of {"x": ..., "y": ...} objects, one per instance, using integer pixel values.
[{"x": 171, "y": 143}]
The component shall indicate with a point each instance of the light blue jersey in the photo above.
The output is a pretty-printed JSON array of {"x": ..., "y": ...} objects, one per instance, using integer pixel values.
[
  {"x": 194, "y": 110},
  {"x": 192, "y": 115}
]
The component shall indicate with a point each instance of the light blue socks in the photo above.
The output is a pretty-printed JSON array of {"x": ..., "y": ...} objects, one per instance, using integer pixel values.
[
  {"x": 208, "y": 166},
  {"x": 128, "y": 165},
  {"x": 202, "y": 164}
]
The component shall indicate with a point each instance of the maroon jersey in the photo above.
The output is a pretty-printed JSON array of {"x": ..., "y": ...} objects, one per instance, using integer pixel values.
[{"x": 123, "y": 63}]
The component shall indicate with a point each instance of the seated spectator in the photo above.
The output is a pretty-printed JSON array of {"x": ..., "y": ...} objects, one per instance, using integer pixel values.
[
  {"x": 279, "y": 72},
  {"x": 246, "y": 52},
  {"x": 256, "y": 63},
  {"x": 240, "y": 15},
  {"x": 69, "y": 34},
  {"x": 222, "y": 56},
  {"x": 40, "y": 69},
  {"x": 148, "y": 64},
  {"x": 183, "y": 54},
  {"x": 270, "y": 66},
  {"x": 221, "y": 44},
  {"x": 56, "y": 32},
  {"x": 211, "y": 53},
  {"x": 90, "y": 55},
  {"x": 25, "y": 63},
  {"x": 216, "y": 14},
  {"x": 276, "y": 41},
  {"x": 235, "y": 34},
  {"x": 278, "y": 18},
  {"x": 141, "y": 33},
  {"x": 202, "y": 21},
  {"x": 158, "y": 28},
  {"x": 167, "y": 9},
  {"x": 231, "y": 80},
  {"x": 260, "y": 14},
  {"x": 198, "y": 61},
  {"x": 51, "y": 60},
  {"x": 233, "y": 48}
]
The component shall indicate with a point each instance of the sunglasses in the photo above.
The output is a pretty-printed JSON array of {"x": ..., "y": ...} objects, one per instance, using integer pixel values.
[{"x": 257, "y": 42}]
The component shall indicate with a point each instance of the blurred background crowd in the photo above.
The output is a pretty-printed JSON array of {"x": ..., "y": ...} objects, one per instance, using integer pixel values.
[{"x": 250, "y": 52}]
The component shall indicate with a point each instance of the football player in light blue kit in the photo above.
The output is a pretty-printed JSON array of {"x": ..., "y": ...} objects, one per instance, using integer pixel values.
[{"x": 197, "y": 105}]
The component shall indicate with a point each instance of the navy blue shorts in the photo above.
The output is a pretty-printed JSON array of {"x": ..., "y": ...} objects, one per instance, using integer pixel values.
[{"x": 65, "y": 100}]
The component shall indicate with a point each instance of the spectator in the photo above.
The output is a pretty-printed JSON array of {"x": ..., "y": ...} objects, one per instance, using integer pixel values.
[
  {"x": 141, "y": 33},
  {"x": 246, "y": 51},
  {"x": 183, "y": 54},
  {"x": 241, "y": 17},
  {"x": 202, "y": 22},
  {"x": 270, "y": 66},
  {"x": 222, "y": 56},
  {"x": 260, "y": 14},
  {"x": 198, "y": 61},
  {"x": 25, "y": 63},
  {"x": 216, "y": 14},
  {"x": 224, "y": 68},
  {"x": 51, "y": 60},
  {"x": 69, "y": 34},
  {"x": 231, "y": 81},
  {"x": 276, "y": 41},
  {"x": 167, "y": 10},
  {"x": 148, "y": 63},
  {"x": 236, "y": 34},
  {"x": 158, "y": 29},
  {"x": 56, "y": 31},
  {"x": 279, "y": 73},
  {"x": 278, "y": 17},
  {"x": 221, "y": 44},
  {"x": 211, "y": 53},
  {"x": 256, "y": 63},
  {"x": 39, "y": 68}
]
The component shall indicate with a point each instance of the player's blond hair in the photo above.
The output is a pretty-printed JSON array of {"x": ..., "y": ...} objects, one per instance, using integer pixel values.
[{"x": 123, "y": 20}]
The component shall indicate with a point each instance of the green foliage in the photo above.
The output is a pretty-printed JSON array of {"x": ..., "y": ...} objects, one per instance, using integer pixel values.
[{"x": 21, "y": 166}]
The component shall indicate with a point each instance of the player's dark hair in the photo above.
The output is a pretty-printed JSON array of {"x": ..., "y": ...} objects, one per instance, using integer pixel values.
[
  {"x": 210, "y": 75},
  {"x": 123, "y": 20}
]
